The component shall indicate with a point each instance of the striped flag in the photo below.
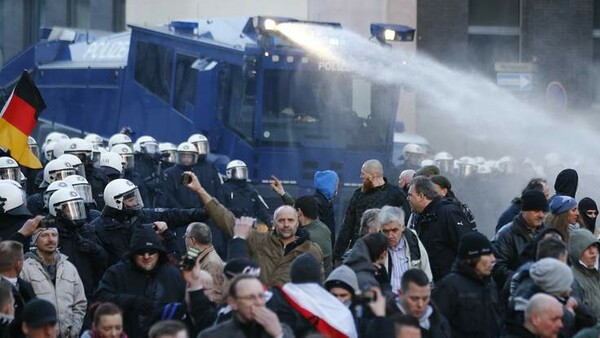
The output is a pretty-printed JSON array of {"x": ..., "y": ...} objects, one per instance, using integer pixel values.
[{"x": 18, "y": 118}]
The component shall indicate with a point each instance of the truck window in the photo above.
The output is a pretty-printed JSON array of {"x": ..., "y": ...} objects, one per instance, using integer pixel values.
[
  {"x": 237, "y": 100},
  {"x": 304, "y": 106},
  {"x": 185, "y": 82},
  {"x": 154, "y": 68}
]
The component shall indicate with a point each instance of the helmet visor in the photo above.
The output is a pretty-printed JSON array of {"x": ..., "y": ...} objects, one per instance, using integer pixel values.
[
  {"x": 35, "y": 150},
  {"x": 169, "y": 156},
  {"x": 203, "y": 147},
  {"x": 187, "y": 159},
  {"x": 10, "y": 174},
  {"x": 149, "y": 148},
  {"x": 80, "y": 169},
  {"x": 73, "y": 210},
  {"x": 128, "y": 161},
  {"x": 238, "y": 173},
  {"x": 85, "y": 191},
  {"x": 132, "y": 200},
  {"x": 61, "y": 174}
]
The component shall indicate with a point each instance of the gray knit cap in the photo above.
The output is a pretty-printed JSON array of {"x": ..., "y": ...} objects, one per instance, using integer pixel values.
[{"x": 551, "y": 275}]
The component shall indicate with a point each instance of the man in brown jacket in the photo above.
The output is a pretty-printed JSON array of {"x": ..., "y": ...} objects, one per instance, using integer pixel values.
[
  {"x": 273, "y": 251},
  {"x": 199, "y": 237}
]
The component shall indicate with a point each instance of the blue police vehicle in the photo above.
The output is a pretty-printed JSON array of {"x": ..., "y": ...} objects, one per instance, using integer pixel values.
[{"x": 257, "y": 96}]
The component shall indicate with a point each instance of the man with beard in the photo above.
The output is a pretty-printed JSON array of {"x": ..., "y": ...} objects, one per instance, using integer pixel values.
[
  {"x": 275, "y": 250},
  {"x": 374, "y": 193}
]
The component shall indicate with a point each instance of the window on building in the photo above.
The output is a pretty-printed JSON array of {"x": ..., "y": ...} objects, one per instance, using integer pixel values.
[
  {"x": 494, "y": 33},
  {"x": 154, "y": 68},
  {"x": 185, "y": 83}
]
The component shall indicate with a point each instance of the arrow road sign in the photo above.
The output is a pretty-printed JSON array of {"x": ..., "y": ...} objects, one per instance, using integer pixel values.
[{"x": 514, "y": 81}]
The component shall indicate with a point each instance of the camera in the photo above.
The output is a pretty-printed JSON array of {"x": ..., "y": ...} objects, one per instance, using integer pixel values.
[
  {"x": 189, "y": 260},
  {"x": 186, "y": 179},
  {"x": 365, "y": 297}
]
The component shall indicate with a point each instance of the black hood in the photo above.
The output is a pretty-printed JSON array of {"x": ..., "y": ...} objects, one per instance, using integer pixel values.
[
  {"x": 584, "y": 205},
  {"x": 144, "y": 238},
  {"x": 566, "y": 183}
]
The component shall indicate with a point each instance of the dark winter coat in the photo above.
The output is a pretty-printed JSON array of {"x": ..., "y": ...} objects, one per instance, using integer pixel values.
[
  {"x": 470, "y": 303},
  {"x": 98, "y": 181},
  {"x": 114, "y": 229},
  {"x": 140, "y": 293},
  {"x": 438, "y": 325},
  {"x": 9, "y": 224},
  {"x": 508, "y": 245},
  {"x": 509, "y": 214},
  {"x": 23, "y": 294},
  {"x": 233, "y": 328},
  {"x": 244, "y": 200},
  {"x": 439, "y": 227},
  {"x": 386, "y": 194},
  {"x": 176, "y": 195}
]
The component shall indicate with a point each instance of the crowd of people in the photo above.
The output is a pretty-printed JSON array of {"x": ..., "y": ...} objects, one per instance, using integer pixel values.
[{"x": 147, "y": 239}]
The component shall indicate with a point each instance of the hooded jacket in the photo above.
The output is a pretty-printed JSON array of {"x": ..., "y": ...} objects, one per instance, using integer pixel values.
[
  {"x": 566, "y": 183},
  {"x": 587, "y": 222},
  {"x": 343, "y": 276},
  {"x": 66, "y": 292},
  {"x": 141, "y": 293},
  {"x": 587, "y": 278},
  {"x": 359, "y": 260},
  {"x": 470, "y": 303}
]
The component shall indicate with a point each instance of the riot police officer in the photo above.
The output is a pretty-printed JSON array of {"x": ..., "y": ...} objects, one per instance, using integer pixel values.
[
  {"x": 241, "y": 197},
  {"x": 90, "y": 158},
  {"x": 149, "y": 167}
]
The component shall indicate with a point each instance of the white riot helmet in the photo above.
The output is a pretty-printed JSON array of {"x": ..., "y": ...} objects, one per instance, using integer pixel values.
[
  {"x": 54, "y": 186},
  {"x": 237, "y": 170},
  {"x": 507, "y": 165},
  {"x": 187, "y": 154},
  {"x": 427, "y": 162},
  {"x": 56, "y": 170},
  {"x": 412, "y": 148},
  {"x": 60, "y": 146},
  {"x": 111, "y": 164},
  {"x": 467, "y": 166},
  {"x": 75, "y": 162},
  {"x": 33, "y": 146},
  {"x": 12, "y": 199},
  {"x": 122, "y": 194},
  {"x": 413, "y": 153},
  {"x": 94, "y": 139},
  {"x": 168, "y": 151},
  {"x": 67, "y": 204},
  {"x": 119, "y": 139},
  {"x": 81, "y": 186},
  {"x": 9, "y": 169},
  {"x": 201, "y": 143},
  {"x": 126, "y": 154},
  {"x": 48, "y": 149},
  {"x": 55, "y": 136},
  {"x": 147, "y": 145},
  {"x": 82, "y": 149},
  {"x": 444, "y": 161}
]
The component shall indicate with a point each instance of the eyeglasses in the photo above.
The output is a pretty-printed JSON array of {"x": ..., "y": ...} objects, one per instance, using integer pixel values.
[
  {"x": 591, "y": 213},
  {"x": 253, "y": 298}
]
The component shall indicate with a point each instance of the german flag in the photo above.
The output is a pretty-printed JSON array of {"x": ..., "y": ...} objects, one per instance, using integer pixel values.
[{"x": 18, "y": 118}]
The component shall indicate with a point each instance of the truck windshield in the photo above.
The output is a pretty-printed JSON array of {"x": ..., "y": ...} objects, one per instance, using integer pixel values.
[{"x": 308, "y": 107}]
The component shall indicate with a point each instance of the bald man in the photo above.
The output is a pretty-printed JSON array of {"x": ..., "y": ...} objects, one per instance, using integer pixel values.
[
  {"x": 375, "y": 192},
  {"x": 543, "y": 318}
]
